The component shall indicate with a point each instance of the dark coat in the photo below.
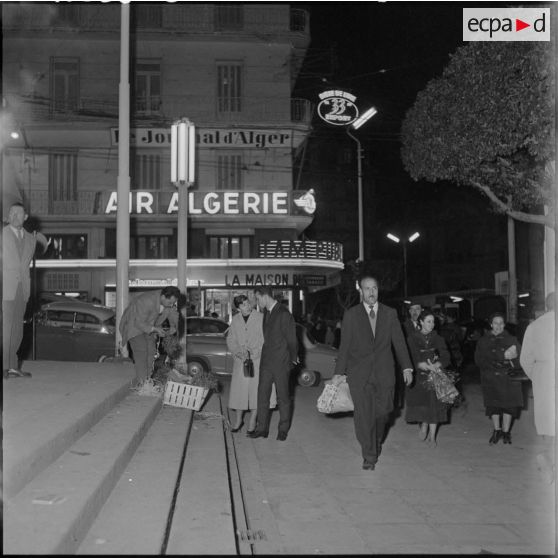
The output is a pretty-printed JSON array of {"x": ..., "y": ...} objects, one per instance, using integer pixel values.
[
  {"x": 370, "y": 360},
  {"x": 421, "y": 403},
  {"x": 280, "y": 348},
  {"x": 409, "y": 327},
  {"x": 497, "y": 388}
]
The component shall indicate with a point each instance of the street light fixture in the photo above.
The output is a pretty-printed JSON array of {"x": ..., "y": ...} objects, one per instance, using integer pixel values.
[
  {"x": 360, "y": 121},
  {"x": 183, "y": 148},
  {"x": 404, "y": 242}
]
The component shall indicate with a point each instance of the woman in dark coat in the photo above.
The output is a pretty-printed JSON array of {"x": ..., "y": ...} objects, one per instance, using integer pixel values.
[
  {"x": 496, "y": 354},
  {"x": 428, "y": 349}
]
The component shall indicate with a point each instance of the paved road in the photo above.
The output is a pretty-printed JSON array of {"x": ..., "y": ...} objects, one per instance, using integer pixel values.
[{"x": 309, "y": 495}]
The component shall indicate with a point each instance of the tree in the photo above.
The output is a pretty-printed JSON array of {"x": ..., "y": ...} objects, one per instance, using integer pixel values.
[{"x": 488, "y": 122}]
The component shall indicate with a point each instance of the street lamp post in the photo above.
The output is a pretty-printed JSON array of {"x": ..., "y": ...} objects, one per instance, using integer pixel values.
[
  {"x": 404, "y": 242},
  {"x": 360, "y": 121},
  {"x": 183, "y": 146}
]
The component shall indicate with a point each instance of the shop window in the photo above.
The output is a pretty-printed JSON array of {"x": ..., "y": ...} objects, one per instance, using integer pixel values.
[
  {"x": 146, "y": 172},
  {"x": 66, "y": 247},
  {"x": 147, "y": 91},
  {"x": 227, "y": 247},
  {"x": 62, "y": 181},
  {"x": 229, "y": 87},
  {"x": 229, "y": 171},
  {"x": 229, "y": 17},
  {"x": 150, "y": 247},
  {"x": 64, "y": 85}
]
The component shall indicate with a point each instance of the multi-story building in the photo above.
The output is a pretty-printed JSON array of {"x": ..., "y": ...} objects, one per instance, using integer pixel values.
[{"x": 230, "y": 69}]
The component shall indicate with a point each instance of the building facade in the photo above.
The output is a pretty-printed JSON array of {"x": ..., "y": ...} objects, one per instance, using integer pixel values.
[{"x": 228, "y": 68}]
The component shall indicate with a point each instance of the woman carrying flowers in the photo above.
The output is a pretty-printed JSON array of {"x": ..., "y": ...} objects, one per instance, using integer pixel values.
[{"x": 430, "y": 356}]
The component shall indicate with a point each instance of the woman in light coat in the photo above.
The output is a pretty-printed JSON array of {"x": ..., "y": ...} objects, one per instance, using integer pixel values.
[
  {"x": 245, "y": 335},
  {"x": 538, "y": 360}
]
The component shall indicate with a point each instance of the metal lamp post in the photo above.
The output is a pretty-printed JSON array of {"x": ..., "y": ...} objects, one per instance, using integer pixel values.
[
  {"x": 404, "y": 242},
  {"x": 183, "y": 148},
  {"x": 360, "y": 121}
]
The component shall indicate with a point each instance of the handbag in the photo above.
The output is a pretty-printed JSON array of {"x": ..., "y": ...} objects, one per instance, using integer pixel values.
[
  {"x": 336, "y": 397},
  {"x": 248, "y": 367}
]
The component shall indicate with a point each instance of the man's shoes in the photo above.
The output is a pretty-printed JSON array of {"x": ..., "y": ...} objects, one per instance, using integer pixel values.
[
  {"x": 282, "y": 436},
  {"x": 368, "y": 465},
  {"x": 257, "y": 434},
  {"x": 14, "y": 373}
]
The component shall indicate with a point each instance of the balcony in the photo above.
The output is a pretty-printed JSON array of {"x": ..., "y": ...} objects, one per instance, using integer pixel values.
[
  {"x": 183, "y": 18},
  {"x": 28, "y": 109}
]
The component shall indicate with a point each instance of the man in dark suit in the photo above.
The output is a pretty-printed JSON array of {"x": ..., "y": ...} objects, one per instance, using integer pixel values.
[
  {"x": 279, "y": 355},
  {"x": 368, "y": 333},
  {"x": 410, "y": 325}
]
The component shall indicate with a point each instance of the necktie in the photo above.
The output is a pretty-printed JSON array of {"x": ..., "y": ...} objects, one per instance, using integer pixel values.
[{"x": 372, "y": 316}]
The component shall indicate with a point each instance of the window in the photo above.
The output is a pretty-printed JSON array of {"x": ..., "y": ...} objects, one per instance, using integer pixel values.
[
  {"x": 226, "y": 247},
  {"x": 152, "y": 247},
  {"x": 146, "y": 172},
  {"x": 229, "y": 171},
  {"x": 87, "y": 321},
  {"x": 147, "y": 93},
  {"x": 60, "y": 318},
  {"x": 66, "y": 246},
  {"x": 68, "y": 14},
  {"x": 229, "y": 87},
  {"x": 62, "y": 182},
  {"x": 146, "y": 15},
  {"x": 229, "y": 17},
  {"x": 64, "y": 88}
]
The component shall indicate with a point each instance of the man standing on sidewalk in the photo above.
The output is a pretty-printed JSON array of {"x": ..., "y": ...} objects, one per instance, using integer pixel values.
[
  {"x": 368, "y": 333},
  {"x": 18, "y": 247},
  {"x": 142, "y": 320},
  {"x": 279, "y": 355}
]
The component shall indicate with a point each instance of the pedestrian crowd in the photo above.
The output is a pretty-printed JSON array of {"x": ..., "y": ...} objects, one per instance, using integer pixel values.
[{"x": 383, "y": 360}]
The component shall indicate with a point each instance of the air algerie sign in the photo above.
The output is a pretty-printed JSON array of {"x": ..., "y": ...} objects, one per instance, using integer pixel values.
[{"x": 226, "y": 202}]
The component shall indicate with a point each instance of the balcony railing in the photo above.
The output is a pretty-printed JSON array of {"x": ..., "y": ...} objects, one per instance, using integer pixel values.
[
  {"x": 186, "y": 18},
  {"x": 34, "y": 108}
]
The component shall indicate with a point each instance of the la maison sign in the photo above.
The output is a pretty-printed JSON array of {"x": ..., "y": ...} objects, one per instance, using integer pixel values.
[
  {"x": 208, "y": 203},
  {"x": 214, "y": 137}
]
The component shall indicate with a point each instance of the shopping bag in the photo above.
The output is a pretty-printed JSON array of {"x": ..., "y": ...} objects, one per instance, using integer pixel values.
[{"x": 336, "y": 397}]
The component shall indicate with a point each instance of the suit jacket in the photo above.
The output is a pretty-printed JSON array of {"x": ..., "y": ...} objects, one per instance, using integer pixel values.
[
  {"x": 143, "y": 313},
  {"x": 409, "y": 327},
  {"x": 15, "y": 268},
  {"x": 368, "y": 359},
  {"x": 280, "y": 348}
]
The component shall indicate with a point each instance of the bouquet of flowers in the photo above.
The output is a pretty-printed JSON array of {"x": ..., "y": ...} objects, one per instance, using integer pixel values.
[{"x": 443, "y": 383}]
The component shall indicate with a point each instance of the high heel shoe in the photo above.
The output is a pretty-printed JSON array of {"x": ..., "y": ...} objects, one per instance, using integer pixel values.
[
  {"x": 237, "y": 428},
  {"x": 496, "y": 435},
  {"x": 506, "y": 437}
]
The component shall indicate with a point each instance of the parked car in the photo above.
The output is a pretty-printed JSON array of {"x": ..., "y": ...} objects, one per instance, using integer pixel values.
[
  {"x": 197, "y": 324},
  {"x": 74, "y": 330},
  {"x": 209, "y": 352}
]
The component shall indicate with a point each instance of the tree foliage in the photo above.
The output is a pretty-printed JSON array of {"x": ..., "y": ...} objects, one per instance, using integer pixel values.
[{"x": 488, "y": 122}]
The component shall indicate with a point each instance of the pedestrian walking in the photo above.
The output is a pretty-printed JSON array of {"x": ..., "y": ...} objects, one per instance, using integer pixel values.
[
  {"x": 18, "y": 248},
  {"x": 537, "y": 359},
  {"x": 411, "y": 324},
  {"x": 142, "y": 322},
  {"x": 428, "y": 352},
  {"x": 245, "y": 340},
  {"x": 369, "y": 331},
  {"x": 496, "y": 354},
  {"x": 279, "y": 355}
]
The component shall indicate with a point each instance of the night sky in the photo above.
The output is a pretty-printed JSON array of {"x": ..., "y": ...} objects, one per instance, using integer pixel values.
[{"x": 385, "y": 54}]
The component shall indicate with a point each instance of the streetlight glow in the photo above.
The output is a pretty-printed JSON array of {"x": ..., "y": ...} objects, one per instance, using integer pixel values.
[
  {"x": 363, "y": 118},
  {"x": 404, "y": 243},
  {"x": 414, "y": 236},
  {"x": 14, "y": 135},
  {"x": 392, "y": 237},
  {"x": 183, "y": 143}
]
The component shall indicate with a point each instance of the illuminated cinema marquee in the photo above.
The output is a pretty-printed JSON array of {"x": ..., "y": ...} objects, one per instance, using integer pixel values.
[
  {"x": 337, "y": 107},
  {"x": 209, "y": 203}
]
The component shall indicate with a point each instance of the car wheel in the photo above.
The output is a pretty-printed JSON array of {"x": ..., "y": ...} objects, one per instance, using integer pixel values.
[
  {"x": 308, "y": 378},
  {"x": 195, "y": 366}
]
